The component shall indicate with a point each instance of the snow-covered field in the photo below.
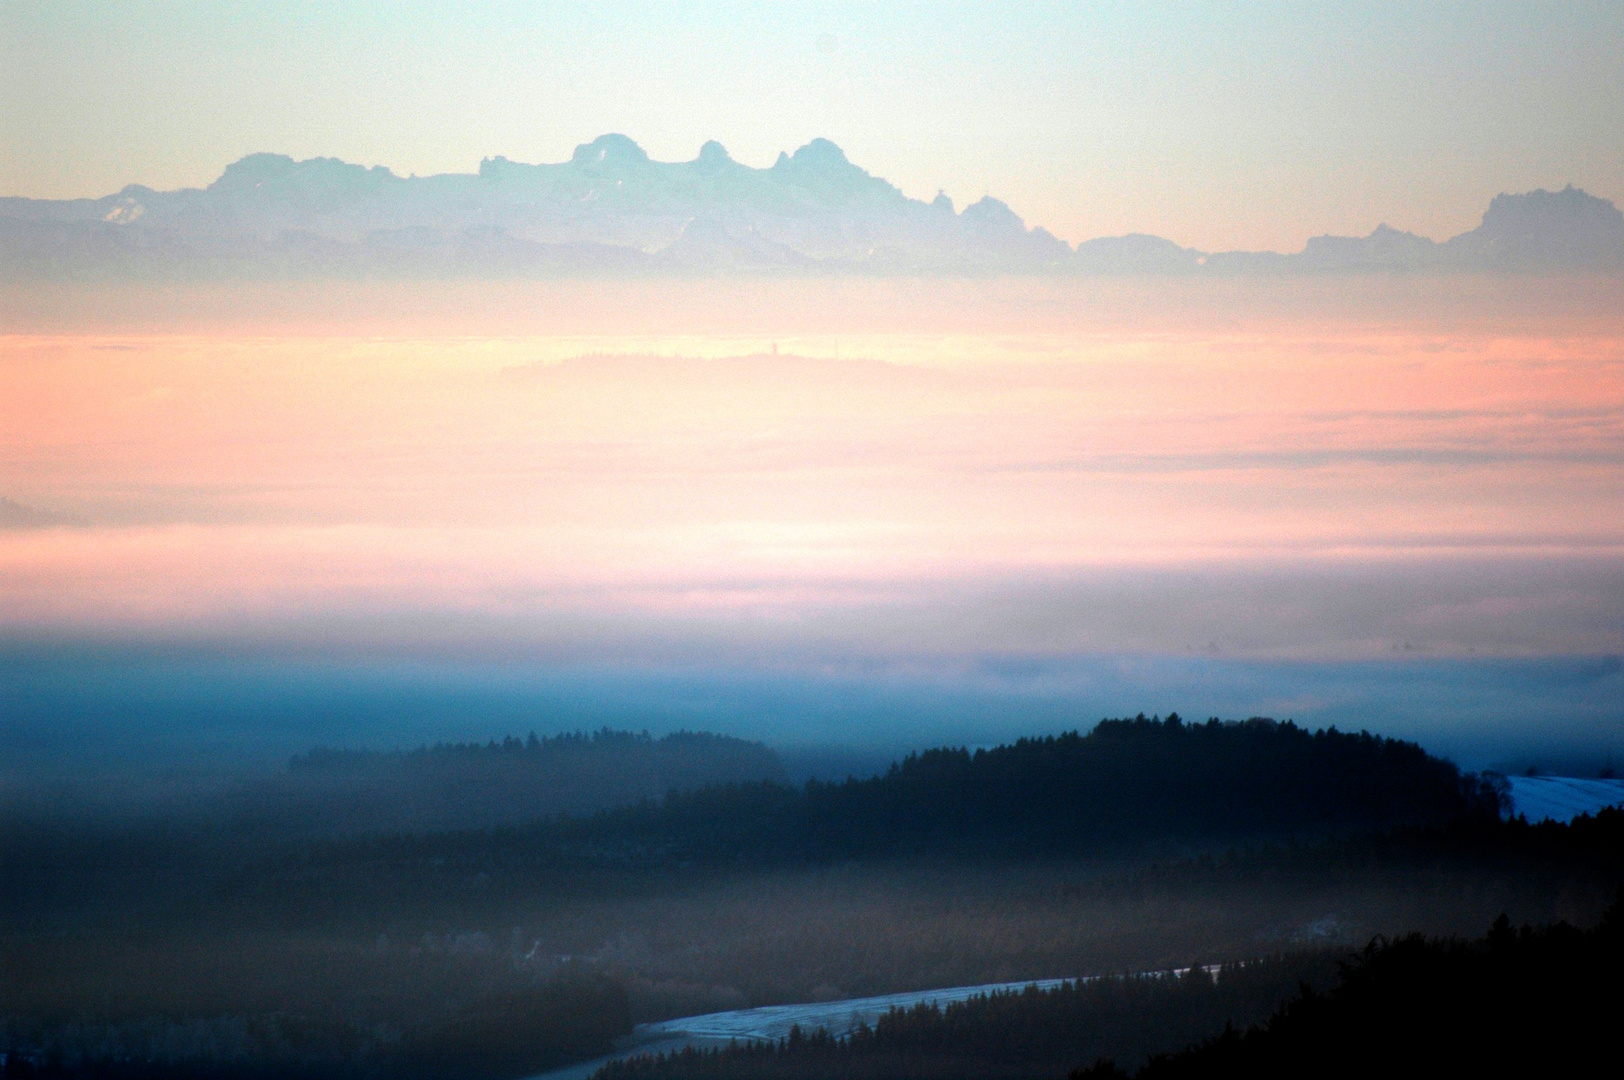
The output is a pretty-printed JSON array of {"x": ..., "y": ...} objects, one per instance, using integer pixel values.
[
  {"x": 836, "y": 1017},
  {"x": 1562, "y": 798}
]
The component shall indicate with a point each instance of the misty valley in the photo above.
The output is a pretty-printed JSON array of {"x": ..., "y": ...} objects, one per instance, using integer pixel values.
[{"x": 502, "y": 909}]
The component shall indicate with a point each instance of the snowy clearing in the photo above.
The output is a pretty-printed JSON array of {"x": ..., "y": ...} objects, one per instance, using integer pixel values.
[{"x": 1562, "y": 798}]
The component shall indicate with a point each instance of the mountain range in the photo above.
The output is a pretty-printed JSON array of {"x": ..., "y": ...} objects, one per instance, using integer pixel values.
[{"x": 612, "y": 211}]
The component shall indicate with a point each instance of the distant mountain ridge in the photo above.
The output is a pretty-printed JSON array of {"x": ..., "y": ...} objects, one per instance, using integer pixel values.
[{"x": 613, "y": 211}]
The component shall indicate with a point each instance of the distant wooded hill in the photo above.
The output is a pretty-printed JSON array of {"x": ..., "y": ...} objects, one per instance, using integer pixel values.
[
  {"x": 480, "y": 785},
  {"x": 1124, "y": 785},
  {"x": 610, "y": 211}
]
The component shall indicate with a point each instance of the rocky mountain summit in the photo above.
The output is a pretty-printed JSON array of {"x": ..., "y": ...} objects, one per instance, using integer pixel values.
[{"x": 612, "y": 211}]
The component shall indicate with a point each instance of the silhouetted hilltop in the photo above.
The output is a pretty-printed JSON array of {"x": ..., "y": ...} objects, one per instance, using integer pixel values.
[
  {"x": 480, "y": 785},
  {"x": 16, "y": 515},
  {"x": 612, "y": 210},
  {"x": 1538, "y": 232},
  {"x": 1544, "y": 229},
  {"x": 1137, "y": 253},
  {"x": 1125, "y": 785}
]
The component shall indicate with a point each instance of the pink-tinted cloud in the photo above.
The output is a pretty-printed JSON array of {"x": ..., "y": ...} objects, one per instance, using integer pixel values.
[{"x": 531, "y": 479}]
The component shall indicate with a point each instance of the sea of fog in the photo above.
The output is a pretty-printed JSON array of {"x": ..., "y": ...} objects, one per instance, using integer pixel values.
[{"x": 846, "y": 518}]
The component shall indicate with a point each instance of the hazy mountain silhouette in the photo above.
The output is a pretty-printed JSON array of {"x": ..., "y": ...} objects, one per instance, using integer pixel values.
[
  {"x": 16, "y": 515},
  {"x": 611, "y": 210},
  {"x": 1540, "y": 232},
  {"x": 1544, "y": 229}
]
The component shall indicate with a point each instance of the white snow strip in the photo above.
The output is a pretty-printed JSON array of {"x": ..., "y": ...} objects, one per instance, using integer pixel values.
[
  {"x": 773, "y": 1022},
  {"x": 838, "y": 1018},
  {"x": 1562, "y": 798}
]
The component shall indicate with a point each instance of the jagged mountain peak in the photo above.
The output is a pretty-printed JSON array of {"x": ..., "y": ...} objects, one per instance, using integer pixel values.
[
  {"x": 713, "y": 153},
  {"x": 260, "y": 170},
  {"x": 610, "y": 152},
  {"x": 611, "y": 208},
  {"x": 821, "y": 154},
  {"x": 254, "y": 169},
  {"x": 820, "y": 165},
  {"x": 1570, "y": 210},
  {"x": 1546, "y": 229},
  {"x": 1570, "y": 200},
  {"x": 990, "y": 213}
]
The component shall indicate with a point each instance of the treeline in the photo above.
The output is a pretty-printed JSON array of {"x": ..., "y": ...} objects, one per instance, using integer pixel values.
[
  {"x": 496, "y": 1035},
  {"x": 1124, "y": 785},
  {"x": 1132, "y": 789},
  {"x": 572, "y": 745},
  {"x": 1520, "y": 1003},
  {"x": 453, "y": 786},
  {"x": 1128, "y": 788},
  {"x": 1032, "y": 1033}
]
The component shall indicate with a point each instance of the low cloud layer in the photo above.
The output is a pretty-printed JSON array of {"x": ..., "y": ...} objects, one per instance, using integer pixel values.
[
  {"x": 1278, "y": 507},
  {"x": 1269, "y": 490}
]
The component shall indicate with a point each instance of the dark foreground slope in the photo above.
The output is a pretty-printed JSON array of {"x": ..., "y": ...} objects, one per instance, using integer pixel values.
[
  {"x": 1516, "y": 1003},
  {"x": 471, "y": 980},
  {"x": 497, "y": 1033},
  {"x": 1031, "y": 1033}
]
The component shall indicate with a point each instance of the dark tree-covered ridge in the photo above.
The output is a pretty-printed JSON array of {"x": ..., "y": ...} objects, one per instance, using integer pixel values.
[
  {"x": 603, "y": 741},
  {"x": 1124, "y": 784}
]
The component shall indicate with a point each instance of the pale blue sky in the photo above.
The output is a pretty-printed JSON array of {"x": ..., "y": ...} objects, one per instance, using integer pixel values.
[{"x": 1217, "y": 124}]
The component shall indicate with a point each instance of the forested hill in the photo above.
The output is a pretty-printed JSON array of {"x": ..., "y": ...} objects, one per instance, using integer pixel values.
[
  {"x": 480, "y": 785},
  {"x": 1125, "y": 784}
]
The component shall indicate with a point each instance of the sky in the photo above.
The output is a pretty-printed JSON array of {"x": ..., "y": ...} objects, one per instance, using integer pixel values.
[{"x": 1219, "y": 125}]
